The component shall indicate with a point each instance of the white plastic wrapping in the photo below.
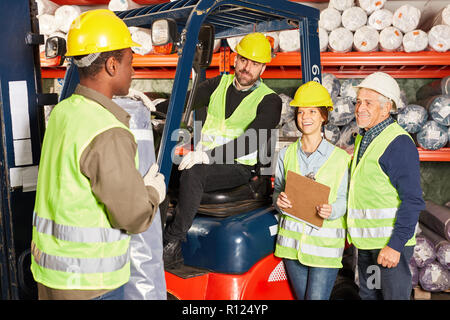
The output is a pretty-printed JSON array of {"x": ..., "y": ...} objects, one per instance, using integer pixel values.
[
  {"x": 370, "y": 6},
  {"x": 323, "y": 39},
  {"x": 289, "y": 40},
  {"x": 439, "y": 109},
  {"x": 412, "y": 118},
  {"x": 348, "y": 88},
  {"x": 439, "y": 38},
  {"x": 142, "y": 36},
  {"x": 275, "y": 38},
  {"x": 64, "y": 16},
  {"x": 414, "y": 41},
  {"x": 330, "y": 19},
  {"x": 233, "y": 41},
  {"x": 354, "y": 18},
  {"x": 391, "y": 39},
  {"x": 332, "y": 133},
  {"x": 366, "y": 39},
  {"x": 287, "y": 111},
  {"x": 47, "y": 24},
  {"x": 122, "y": 5},
  {"x": 343, "y": 112},
  {"x": 446, "y": 15},
  {"x": 406, "y": 18},
  {"x": 432, "y": 136},
  {"x": 341, "y": 5},
  {"x": 380, "y": 19},
  {"x": 46, "y": 7},
  {"x": 340, "y": 40},
  {"x": 332, "y": 84},
  {"x": 348, "y": 134},
  {"x": 147, "y": 279}
]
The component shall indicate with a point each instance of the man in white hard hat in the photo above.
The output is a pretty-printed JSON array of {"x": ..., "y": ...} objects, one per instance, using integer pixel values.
[{"x": 385, "y": 196}]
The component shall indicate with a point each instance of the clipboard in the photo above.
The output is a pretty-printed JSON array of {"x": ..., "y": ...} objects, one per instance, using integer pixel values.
[{"x": 305, "y": 194}]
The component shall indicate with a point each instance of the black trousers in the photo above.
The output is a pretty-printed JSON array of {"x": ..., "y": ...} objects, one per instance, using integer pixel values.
[{"x": 194, "y": 182}]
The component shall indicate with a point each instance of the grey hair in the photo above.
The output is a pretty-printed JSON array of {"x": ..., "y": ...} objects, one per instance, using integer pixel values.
[{"x": 383, "y": 100}]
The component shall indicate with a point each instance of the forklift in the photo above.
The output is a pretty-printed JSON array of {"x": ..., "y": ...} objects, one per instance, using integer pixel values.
[{"x": 228, "y": 254}]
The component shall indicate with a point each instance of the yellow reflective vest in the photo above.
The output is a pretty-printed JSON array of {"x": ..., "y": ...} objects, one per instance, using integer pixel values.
[
  {"x": 296, "y": 240},
  {"x": 78, "y": 247},
  {"x": 372, "y": 199},
  {"x": 218, "y": 131}
]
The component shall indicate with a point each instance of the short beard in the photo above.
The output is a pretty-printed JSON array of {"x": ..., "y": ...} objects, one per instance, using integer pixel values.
[{"x": 246, "y": 83}]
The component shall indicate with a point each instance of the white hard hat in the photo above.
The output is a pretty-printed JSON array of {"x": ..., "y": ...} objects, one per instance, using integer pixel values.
[{"x": 384, "y": 84}]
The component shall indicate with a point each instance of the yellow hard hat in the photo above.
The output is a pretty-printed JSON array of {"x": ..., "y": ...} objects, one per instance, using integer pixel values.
[
  {"x": 312, "y": 94},
  {"x": 256, "y": 47},
  {"x": 98, "y": 31}
]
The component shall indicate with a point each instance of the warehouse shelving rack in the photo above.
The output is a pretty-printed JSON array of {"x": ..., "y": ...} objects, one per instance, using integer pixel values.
[{"x": 425, "y": 64}]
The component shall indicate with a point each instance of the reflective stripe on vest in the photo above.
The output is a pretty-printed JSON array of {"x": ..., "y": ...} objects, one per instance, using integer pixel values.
[
  {"x": 372, "y": 200},
  {"x": 74, "y": 244},
  {"x": 218, "y": 131},
  {"x": 321, "y": 247}
]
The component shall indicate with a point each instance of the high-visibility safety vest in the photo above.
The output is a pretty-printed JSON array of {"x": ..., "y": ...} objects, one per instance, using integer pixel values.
[
  {"x": 296, "y": 240},
  {"x": 372, "y": 199},
  {"x": 218, "y": 131},
  {"x": 78, "y": 247}
]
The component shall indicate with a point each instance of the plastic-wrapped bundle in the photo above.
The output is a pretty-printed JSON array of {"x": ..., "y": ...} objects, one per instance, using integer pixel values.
[
  {"x": 274, "y": 40},
  {"x": 437, "y": 219},
  {"x": 432, "y": 136},
  {"x": 354, "y": 18},
  {"x": 366, "y": 39},
  {"x": 348, "y": 88},
  {"x": 443, "y": 254},
  {"x": 406, "y": 18},
  {"x": 380, "y": 19},
  {"x": 412, "y": 118},
  {"x": 64, "y": 16},
  {"x": 403, "y": 102},
  {"x": 434, "y": 277},
  {"x": 340, "y": 40},
  {"x": 414, "y": 41},
  {"x": 332, "y": 84},
  {"x": 343, "y": 111},
  {"x": 414, "y": 272},
  {"x": 439, "y": 109},
  {"x": 423, "y": 251},
  {"x": 330, "y": 19},
  {"x": 289, "y": 40},
  {"x": 434, "y": 88},
  {"x": 46, "y": 7},
  {"x": 122, "y": 5},
  {"x": 289, "y": 129},
  {"x": 391, "y": 39},
  {"x": 323, "y": 39},
  {"x": 341, "y": 5},
  {"x": 348, "y": 134},
  {"x": 332, "y": 133},
  {"x": 439, "y": 38},
  {"x": 233, "y": 41},
  {"x": 441, "y": 17},
  {"x": 446, "y": 15},
  {"x": 370, "y": 6},
  {"x": 142, "y": 36},
  {"x": 47, "y": 24},
  {"x": 287, "y": 112}
]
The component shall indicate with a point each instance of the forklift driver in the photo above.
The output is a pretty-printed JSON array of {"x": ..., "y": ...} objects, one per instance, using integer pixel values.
[
  {"x": 88, "y": 174},
  {"x": 237, "y": 107}
]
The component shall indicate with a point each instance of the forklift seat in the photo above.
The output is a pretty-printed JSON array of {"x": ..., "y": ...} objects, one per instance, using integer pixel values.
[{"x": 250, "y": 196}]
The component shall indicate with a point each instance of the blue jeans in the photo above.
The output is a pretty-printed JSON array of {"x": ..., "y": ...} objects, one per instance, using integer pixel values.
[
  {"x": 379, "y": 283},
  {"x": 116, "y": 294},
  {"x": 310, "y": 283}
]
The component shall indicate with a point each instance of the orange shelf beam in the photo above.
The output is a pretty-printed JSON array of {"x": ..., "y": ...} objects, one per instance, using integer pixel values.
[{"x": 442, "y": 154}]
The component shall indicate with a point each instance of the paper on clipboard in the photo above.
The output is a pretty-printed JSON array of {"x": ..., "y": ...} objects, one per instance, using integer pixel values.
[{"x": 305, "y": 194}]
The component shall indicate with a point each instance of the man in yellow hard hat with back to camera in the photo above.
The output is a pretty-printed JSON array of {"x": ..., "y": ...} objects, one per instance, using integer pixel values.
[{"x": 90, "y": 195}]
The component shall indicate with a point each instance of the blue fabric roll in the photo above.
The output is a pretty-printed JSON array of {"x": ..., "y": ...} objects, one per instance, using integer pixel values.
[
  {"x": 332, "y": 84},
  {"x": 439, "y": 109},
  {"x": 412, "y": 118},
  {"x": 332, "y": 133},
  {"x": 343, "y": 111},
  {"x": 432, "y": 136}
]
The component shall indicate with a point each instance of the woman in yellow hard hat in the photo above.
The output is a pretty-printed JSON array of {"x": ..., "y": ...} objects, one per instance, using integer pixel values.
[
  {"x": 90, "y": 195},
  {"x": 312, "y": 255}
]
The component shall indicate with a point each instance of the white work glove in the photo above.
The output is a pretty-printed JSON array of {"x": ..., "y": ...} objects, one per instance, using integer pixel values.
[
  {"x": 156, "y": 180},
  {"x": 192, "y": 158},
  {"x": 138, "y": 95}
]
